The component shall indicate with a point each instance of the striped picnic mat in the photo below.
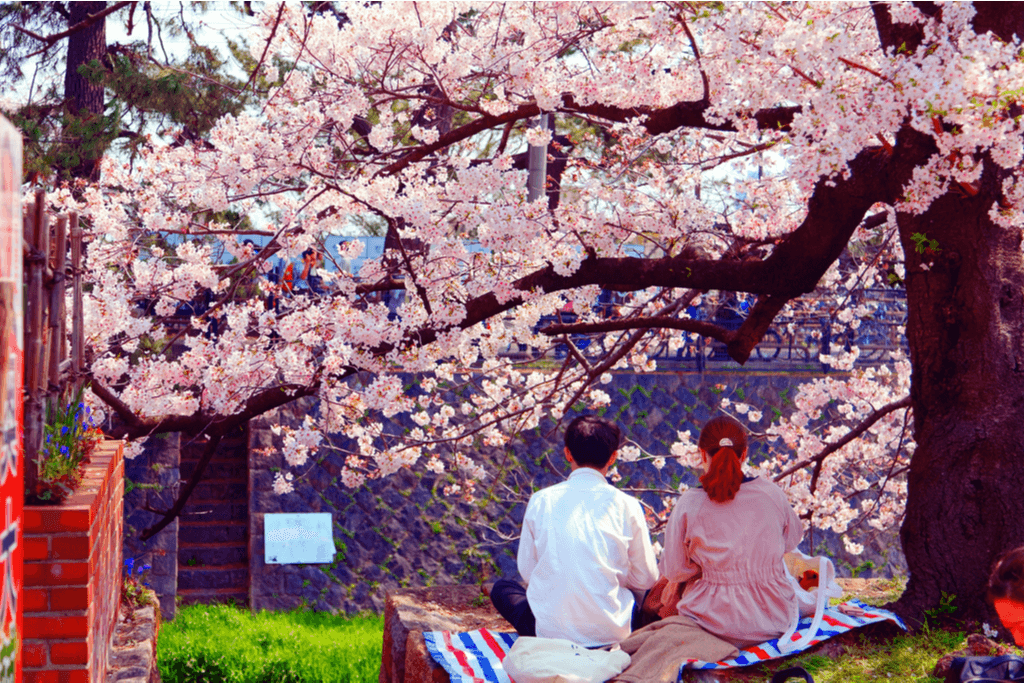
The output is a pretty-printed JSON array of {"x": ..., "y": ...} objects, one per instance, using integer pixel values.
[
  {"x": 473, "y": 657},
  {"x": 833, "y": 623},
  {"x": 476, "y": 656}
]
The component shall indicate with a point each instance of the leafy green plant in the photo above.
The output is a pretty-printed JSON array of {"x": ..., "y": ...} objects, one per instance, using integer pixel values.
[
  {"x": 222, "y": 643},
  {"x": 924, "y": 244},
  {"x": 134, "y": 587},
  {"x": 941, "y": 612},
  {"x": 861, "y": 568},
  {"x": 69, "y": 435}
]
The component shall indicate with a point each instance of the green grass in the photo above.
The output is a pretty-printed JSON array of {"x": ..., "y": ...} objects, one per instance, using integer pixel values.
[
  {"x": 908, "y": 659},
  {"x": 214, "y": 643},
  {"x": 220, "y": 643}
]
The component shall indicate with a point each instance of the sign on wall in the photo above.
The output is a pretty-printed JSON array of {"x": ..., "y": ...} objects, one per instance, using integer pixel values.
[
  {"x": 304, "y": 538},
  {"x": 12, "y": 488}
]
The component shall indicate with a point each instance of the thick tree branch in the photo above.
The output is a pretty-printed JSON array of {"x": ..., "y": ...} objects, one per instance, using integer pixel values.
[
  {"x": 700, "y": 327},
  {"x": 681, "y": 115},
  {"x": 186, "y": 491},
  {"x": 657, "y": 121},
  {"x": 835, "y": 210},
  {"x": 756, "y": 324},
  {"x": 135, "y": 427}
]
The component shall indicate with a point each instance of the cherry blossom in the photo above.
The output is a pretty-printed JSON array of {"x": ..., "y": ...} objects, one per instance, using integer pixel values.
[{"x": 413, "y": 118}]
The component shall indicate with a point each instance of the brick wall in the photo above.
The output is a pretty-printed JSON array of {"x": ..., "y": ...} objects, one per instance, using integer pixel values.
[{"x": 73, "y": 576}]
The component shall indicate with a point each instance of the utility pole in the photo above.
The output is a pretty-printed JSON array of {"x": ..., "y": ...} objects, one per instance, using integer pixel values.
[{"x": 536, "y": 182}]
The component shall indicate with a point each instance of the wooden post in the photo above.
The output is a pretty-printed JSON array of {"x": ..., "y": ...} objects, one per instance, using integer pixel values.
[
  {"x": 38, "y": 245},
  {"x": 77, "y": 312},
  {"x": 57, "y": 309}
]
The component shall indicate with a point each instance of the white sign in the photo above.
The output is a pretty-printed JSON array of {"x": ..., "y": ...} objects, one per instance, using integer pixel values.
[{"x": 298, "y": 538}]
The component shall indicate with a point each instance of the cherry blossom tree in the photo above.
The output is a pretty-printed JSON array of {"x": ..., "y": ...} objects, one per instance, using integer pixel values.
[{"x": 766, "y": 149}]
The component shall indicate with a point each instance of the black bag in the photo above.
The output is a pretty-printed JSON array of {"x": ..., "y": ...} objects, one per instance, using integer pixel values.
[
  {"x": 792, "y": 672},
  {"x": 986, "y": 669}
]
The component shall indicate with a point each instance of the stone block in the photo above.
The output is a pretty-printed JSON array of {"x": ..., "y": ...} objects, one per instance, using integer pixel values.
[
  {"x": 419, "y": 665},
  {"x": 415, "y": 610},
  {"x": 366, "y": 500},
  {"x": 393, "y": 499},
  {"x": 293, "y": 502}
]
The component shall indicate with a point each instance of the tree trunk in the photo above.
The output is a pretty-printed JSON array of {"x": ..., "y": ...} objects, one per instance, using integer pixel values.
[
  {"x": 83, "y": 99},
  {"x": 966, "y": 334}
]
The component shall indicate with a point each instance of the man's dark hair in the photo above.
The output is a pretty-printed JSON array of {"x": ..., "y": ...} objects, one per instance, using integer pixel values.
[{"x": 591, "y": 440}]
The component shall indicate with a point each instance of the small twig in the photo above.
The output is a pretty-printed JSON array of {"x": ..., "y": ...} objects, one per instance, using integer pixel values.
[
  {"x": 270, "y": 38},
  {"x": 855, "y": 65},
  {"x": 866, "y": 424}
]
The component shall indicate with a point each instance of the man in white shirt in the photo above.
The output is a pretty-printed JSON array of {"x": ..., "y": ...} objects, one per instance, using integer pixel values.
[{"x": 584, "y": 546}]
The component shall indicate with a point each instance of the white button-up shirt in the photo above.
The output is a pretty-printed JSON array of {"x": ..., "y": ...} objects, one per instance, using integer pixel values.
[{"x": 584, "y": 545}]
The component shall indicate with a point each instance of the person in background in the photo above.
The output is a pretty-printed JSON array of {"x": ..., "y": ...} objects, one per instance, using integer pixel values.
[
  {"x": 311, "y": 260},
  {"x": 584, "y": 547},
  {"x": 1006, "y": 592}
]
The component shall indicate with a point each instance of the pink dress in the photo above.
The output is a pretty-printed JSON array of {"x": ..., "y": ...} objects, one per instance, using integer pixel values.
[{"x": 741, "y": 593}]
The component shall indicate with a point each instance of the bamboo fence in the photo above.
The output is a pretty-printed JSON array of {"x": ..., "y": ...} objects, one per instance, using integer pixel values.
[{"x": 49, "y": 370}]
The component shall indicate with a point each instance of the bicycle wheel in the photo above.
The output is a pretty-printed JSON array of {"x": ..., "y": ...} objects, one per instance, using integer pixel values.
[{"x": 770, "y": 346}]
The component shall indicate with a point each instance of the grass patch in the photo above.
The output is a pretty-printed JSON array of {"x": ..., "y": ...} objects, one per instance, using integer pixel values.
[
  {"x": 905, "y": 658},
  {"x": 224, "y": 643}
]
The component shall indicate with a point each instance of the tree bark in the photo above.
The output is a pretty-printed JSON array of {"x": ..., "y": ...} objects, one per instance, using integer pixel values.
[
  {"x": 83, "y": 99},
  {"x": 966, "y": 335}
]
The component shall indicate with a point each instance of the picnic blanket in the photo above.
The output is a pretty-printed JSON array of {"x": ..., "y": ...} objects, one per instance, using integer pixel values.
[{"x": 476, "y": 656}]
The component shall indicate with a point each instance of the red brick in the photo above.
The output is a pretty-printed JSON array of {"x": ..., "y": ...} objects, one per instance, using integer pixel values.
[
  {"x": 40, "y": 677},
  {"x": 36, "y": 548},
  {"x": 71, "y": 517},
  {"x": 69, "y": 653},
  {"x": 36, "y": 600},
  {"x": 56, "y": 627},
  {"x": 74, "y": 520},
  {"x": 69, "y": 599},
  {"x": 73, "y": 676},
  {"x": 70, "y": 547},
  {"x": 33, "y": 521},
  {"x": 56, "y": 573},
  {"x": 33, "y": 655}
]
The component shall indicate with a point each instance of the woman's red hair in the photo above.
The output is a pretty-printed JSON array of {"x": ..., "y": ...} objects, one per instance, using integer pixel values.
[{"x": 724, "y": 475}]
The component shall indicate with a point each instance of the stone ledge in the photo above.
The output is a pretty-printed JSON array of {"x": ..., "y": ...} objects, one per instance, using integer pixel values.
[
  {"x": 133, "y": 652},
  {"x": 409, "y": 612}
]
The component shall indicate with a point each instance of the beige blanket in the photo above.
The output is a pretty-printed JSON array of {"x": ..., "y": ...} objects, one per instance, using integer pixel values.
[{"x": 658, "y": 650}]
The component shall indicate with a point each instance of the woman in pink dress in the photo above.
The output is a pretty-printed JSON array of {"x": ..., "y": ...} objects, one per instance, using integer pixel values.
[{"x": 727, "y": 540}]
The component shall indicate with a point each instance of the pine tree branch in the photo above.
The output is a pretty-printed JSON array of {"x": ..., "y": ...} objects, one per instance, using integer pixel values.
[{"x": 50, "y": 40}]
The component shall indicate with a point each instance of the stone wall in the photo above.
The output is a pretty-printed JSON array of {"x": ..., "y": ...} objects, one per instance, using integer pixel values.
[
  {"x": 402, "y": 531},
  {"x": 151, "y": 483}
]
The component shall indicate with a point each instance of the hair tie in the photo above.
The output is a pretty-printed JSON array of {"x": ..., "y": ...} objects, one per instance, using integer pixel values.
[{"x": 725, "y": 442}]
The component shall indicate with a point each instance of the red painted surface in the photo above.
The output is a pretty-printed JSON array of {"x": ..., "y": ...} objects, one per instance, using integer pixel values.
[{"x": 12, "y": 486}]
